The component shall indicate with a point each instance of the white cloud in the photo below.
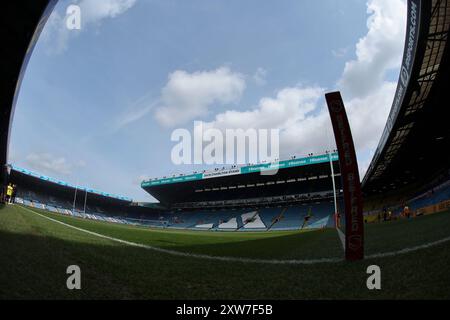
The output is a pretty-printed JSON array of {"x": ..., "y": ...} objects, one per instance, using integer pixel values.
[
  {"x": 136, "y": 111},
  {"x": 378, "y": 51},
  {"x": 55, "y": 33},
  {"x": 304, "y": 123},
  {"x": 189, "y": 95},
  {"x": 368, "y": 115},
  {"x": 288, "y": 107},
  {"x": 94, "y": 11},
  {"x": 294, "y": 111},
  {"x": 260, "y": 76},
  {"x": 340, "y": 53},
  {"x": 48, "y": 163},
  {"x": 134, "y": 116}
]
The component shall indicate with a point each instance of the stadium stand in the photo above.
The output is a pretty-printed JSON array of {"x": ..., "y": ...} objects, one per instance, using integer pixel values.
[
  {"x": 412, "y": 157},
  {"x": 228, "y": 224},
  {"x": 433, "y": 196},
  {"x": 289, "y": 219},
  {"x": 410, "y": 166},
  {"x": 252, "y": 220},
  {"x": 272, "y": 212},
  {"x": 435, "y": 199}
]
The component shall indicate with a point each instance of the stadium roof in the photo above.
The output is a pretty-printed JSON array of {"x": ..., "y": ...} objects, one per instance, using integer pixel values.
[
  {"x": 258, "y": 168},
  {"x": 295, "y": 176},
  {"x": 416, "y": 140},
  {"x": 68, "y": 185},
  {"x": 28, "y": 180}
]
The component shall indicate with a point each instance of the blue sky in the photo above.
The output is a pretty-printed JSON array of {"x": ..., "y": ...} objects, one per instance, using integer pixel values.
[{"x": 97, "y": 106}]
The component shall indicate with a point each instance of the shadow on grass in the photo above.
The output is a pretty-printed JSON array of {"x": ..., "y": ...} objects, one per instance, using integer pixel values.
[
  {"x": 34, "y": 267},
  {"x": 400, "y": 234},
  {"x": 379, "y": 238},
  {"x": 307, "y": 245},
  {"x": 301, "y": 245}
]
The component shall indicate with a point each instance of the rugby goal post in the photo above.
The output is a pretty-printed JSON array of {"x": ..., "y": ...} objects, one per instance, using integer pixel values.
[{"x": 353, "y": 224}]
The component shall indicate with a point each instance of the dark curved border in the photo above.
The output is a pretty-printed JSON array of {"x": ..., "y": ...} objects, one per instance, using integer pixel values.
[
  {"x": 21, "y": 25},
  {"x": 415, "y": 25}
]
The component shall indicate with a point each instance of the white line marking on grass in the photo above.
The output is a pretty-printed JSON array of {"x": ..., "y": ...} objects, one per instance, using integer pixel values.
[
  {"x": 191, "y": 255},
  {"x": 236, "y": 259},
  {"x": 407, "y": 250},
  {"x": 341, "y": 237}
]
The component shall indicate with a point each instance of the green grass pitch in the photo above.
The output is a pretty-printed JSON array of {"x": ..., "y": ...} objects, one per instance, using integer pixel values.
[{"x": 35, "y": 252}]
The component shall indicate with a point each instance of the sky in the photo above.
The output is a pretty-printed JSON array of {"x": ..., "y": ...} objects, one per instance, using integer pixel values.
[{"x": 97, "y": 106}]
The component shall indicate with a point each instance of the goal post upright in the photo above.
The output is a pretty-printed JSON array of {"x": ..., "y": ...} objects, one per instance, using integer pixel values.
[
  {"x": 351, "y": 185},
  {"x": 334, "y": 185}
]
